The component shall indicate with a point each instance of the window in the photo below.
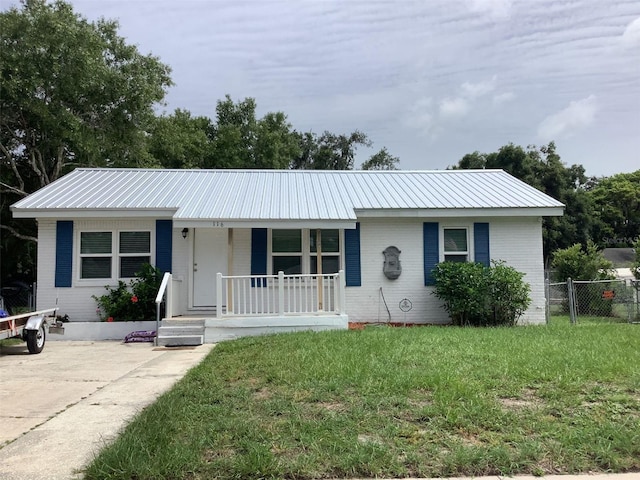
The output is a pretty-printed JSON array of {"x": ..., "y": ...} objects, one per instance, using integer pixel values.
[
  {"x": 135, "y": 250},
  {"x": 97, "y": 259},
  {"x": 329, "y": 250},
  {"x": 456, "y": 245},
  {"x": 296, "y": 251},
  {"x": 95, "y": 254},
  {"x": 286, "y": 248}
]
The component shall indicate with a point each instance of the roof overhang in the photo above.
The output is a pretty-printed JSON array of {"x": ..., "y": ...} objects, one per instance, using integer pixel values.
[
  {"x": 91, "y": 213},
  {"x": 262, "y": 223},
  {"x": 462, "y": 212}
]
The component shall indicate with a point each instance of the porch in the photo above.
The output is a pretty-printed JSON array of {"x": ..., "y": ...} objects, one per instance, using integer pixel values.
[{"x": 254, "y": 305}]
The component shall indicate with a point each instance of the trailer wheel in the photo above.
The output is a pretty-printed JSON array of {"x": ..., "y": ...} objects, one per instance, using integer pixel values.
[{"x": 35, "y": 339}]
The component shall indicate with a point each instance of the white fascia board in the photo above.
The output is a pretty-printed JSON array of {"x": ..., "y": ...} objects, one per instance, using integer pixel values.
[
  {"x": 463, "y": 212},
  {"x": 91, "y": 213},
  {"x": 284, "y": 224}
]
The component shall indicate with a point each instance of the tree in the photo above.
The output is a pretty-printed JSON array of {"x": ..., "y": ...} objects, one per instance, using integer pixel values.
[
  {"x": 542, "y": 168},
  {"x": 180, "y": 140},
  {"x": 73, "y": 93},
  {"x": 240, "y": 140},
  {"x": 328, "y": 151},
  {"x": 382, "y": 160},
  {"x": 616, "y": 212}
]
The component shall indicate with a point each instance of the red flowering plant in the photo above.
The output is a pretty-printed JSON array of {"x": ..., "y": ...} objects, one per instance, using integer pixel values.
[{"x": 134, "y": 301}]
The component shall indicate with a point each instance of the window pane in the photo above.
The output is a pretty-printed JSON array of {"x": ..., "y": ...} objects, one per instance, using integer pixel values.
[
  {"x": 286, "y": 241},
  {"x": 95, "y": 242},
  {"x": 290, "y": 265},
  {"x": 455, "y": 240},
  {"x": 95, "y": 267},
  {"x": 129, "y": 266},
  {"x": 330, "y": 264},
  {"x": 135, "y": 242},
  {"x": 455, "y": 258},
  {"x": 330, "y": 241}
]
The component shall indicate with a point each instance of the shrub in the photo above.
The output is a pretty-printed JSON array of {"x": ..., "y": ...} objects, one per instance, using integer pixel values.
[
  {"x": 481, "y": 296},
  {"x": 132, "y": 302},
  {"x": 578, "y": 264}
]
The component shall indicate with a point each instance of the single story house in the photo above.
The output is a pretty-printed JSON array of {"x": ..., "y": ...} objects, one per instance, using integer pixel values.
[{"x": 311, "y": 249}]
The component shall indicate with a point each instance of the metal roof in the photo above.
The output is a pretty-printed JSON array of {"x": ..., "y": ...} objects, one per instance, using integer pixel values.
[{"x": 267, "y": 195}]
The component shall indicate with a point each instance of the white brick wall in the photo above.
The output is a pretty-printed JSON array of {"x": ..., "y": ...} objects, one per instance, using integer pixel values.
[
  {"x": 77, "y": 302},
  {"x": 518, "y": 241}
]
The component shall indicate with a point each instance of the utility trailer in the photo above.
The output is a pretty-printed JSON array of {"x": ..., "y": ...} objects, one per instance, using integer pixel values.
[{"x": 30, "y": 327}]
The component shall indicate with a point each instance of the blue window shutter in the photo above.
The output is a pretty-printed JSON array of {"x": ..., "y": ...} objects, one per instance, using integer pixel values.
[
  {"x": 352, "y": 257},
  {"x": 481, "y": 243},
  {"x": 259, "y": 253},
  {"x": 164, "y": 245},
  {"x": 430, "y": 237},
  {"x": 64, "y": 253}
]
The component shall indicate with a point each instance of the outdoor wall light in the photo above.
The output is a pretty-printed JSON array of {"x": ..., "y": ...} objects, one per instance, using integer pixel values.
[{"x": 185, "y": 232}]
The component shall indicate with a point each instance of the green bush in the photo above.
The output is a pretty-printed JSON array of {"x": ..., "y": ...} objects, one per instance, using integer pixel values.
[
  {"x": 132, "y": 302},
  {"x": 476, "y": 295},
  {"x": 578, "y": 264}
]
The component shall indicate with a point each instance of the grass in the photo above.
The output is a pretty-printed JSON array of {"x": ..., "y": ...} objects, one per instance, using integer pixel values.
[{"x": 392, "y": 402}]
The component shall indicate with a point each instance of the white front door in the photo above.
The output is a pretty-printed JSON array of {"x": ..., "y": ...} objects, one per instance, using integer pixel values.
[{"x": 209, "y": 258}]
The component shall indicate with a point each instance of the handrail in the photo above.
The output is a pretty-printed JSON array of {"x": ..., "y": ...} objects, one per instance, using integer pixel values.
[{"x": 164, "y": 286}]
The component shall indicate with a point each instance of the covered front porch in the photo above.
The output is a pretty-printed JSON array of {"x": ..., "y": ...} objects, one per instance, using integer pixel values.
[{"x": 247, "y": 305}]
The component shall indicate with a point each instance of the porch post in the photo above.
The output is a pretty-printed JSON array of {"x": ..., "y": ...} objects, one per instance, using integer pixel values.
[
  {"x": 219, "y": 295},
  {"x": 342, "y": 287},
  {"x": 230, "y": 270},
  {"x": 281, "y": 293},
  {"x": 319, "y": 268}
]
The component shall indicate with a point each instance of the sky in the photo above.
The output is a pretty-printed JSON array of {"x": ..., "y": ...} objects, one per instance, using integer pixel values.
[{"x": 431, "y": 80}]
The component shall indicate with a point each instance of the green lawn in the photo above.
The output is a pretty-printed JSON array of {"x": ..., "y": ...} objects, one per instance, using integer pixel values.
[{"x": 395, "y": 402}]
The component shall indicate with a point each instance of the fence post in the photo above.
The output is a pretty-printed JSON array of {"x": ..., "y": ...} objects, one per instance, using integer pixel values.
[
  {"x": 219, "y": 295},
  {"x": 281, "y": 293},
  {"x": 547, "y": 294},
  {"x": 572, "y": 301}
]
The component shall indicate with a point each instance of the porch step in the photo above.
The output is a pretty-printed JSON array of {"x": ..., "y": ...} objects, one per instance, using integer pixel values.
[
  {"x": 180, "y": 340},
  {"x": 175, "y": 332}
]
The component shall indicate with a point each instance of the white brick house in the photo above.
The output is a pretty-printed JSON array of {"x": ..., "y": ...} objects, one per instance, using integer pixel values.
[{"x": 225, "y": 234}]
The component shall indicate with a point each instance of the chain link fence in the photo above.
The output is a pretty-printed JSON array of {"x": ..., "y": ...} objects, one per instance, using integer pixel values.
[{"x": 597, "y": 301}]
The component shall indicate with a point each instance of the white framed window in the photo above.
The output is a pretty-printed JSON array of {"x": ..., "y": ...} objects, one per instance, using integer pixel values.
[
  {"x": 455, "y": 244},
  {"x": 134, "y": 251},
  {"x": 96, "y": 255},
  {"x": 286, "y": 251},
  {"x": 113, "y": 255},
  {"x": 295, "y": 251},
  {"x": 329, "y": 250}
]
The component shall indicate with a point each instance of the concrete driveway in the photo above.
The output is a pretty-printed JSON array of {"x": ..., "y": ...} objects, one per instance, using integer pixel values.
[{"x": 60, "y": 407}]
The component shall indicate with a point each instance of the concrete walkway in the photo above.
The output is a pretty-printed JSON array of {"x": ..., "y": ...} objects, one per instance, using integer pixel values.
[{"x": 59, "y": 408}]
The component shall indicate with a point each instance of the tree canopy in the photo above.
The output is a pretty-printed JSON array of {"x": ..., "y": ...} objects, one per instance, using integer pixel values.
[
  {"x": 542, "y": 168},
  {"x": 73, "y": 93}
]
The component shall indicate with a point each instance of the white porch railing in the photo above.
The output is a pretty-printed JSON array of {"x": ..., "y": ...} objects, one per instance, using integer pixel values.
[{"x": 280, "y": 295}]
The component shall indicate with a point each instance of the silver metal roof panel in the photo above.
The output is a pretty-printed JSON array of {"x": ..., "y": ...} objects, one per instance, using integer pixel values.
[{"x": 279, "y": 194}]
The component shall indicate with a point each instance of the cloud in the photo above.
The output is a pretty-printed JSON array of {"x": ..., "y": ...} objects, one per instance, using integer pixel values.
[
  {"x": 577, "y": 115},
  {"x": 474, "y": 90},
  {"x": 421, "y": 118},
  {"x": 499, "y": 9},
  {"x": 454, "y": 107},
  {"x": 631, "y": 35},
  {"x": 503, "y": 98}
]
